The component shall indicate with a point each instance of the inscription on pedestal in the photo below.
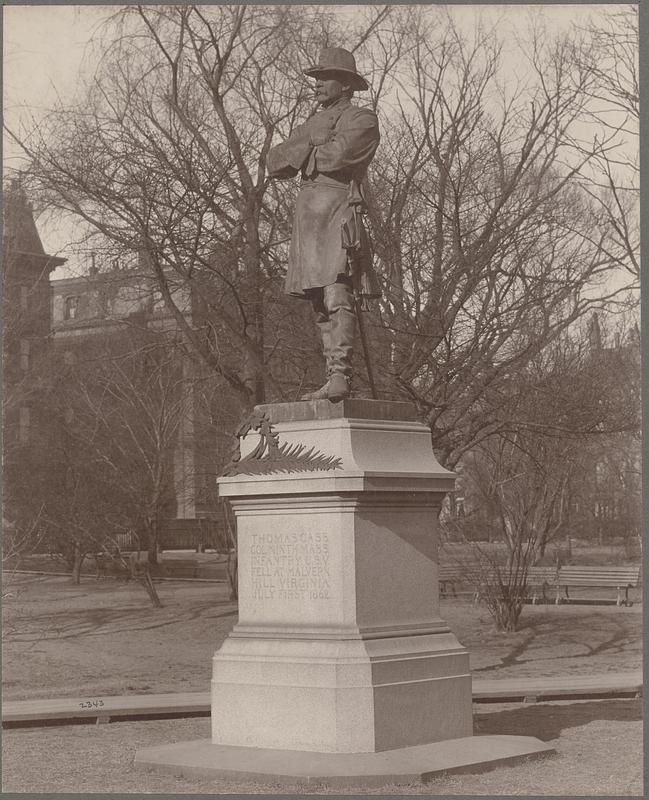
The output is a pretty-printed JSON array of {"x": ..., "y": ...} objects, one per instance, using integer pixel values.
[{"x": 290, "y": 566}]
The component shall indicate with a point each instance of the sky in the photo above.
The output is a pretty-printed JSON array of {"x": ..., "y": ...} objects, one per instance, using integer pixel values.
[
  {"x": 43, "y": 52},
  {"x": 46, "y": 46}
]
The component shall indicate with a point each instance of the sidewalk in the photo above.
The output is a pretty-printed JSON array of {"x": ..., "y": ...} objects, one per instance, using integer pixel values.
[{"x": 186, "y": 704}]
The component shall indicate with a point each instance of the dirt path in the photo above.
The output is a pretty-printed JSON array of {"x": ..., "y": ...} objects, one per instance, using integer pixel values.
[{"x": 599, "y": 752}]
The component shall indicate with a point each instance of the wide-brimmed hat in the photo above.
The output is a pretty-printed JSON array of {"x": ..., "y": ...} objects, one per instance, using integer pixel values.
[{"x": 337, "y": 59}]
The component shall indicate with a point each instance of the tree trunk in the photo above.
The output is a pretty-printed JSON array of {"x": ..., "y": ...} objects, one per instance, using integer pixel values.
[
  {"x": 140, "y": 571},
  {"x": 253, "y": 379},
  {"x": 152, "y": 541},
  {"x": 77, "y": 564},
  {"x": 507, "y": 619},
  {"x": 233, "y": 574},
  {"x": 541, "y": 546},
  {"x": 568, "y": 547},
  {"x": 151, "y": 590},
  {"x": 232, "y": 566}
]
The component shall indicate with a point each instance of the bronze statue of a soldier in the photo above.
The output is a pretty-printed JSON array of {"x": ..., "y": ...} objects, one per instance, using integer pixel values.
[{"x": 330, "y": 259}]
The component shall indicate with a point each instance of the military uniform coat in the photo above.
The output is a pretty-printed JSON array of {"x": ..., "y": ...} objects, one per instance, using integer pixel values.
[{"x": 332, "y": 150}]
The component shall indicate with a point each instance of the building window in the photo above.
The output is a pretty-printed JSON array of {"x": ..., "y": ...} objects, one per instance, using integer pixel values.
[
  {"x": 71, "y": 307},
  {"x": 23, "y": 425},
  {"x": 24, "y": 354}
]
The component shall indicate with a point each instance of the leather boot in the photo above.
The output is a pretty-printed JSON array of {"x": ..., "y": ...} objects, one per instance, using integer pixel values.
[
  {"x": 335, "y": 389},
  {"x": 323, "y": 324},
  {"x": 338, "y": 302}
]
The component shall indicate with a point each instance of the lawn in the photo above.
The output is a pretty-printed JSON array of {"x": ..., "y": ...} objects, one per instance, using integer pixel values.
[{"x": 103, "y": 638}]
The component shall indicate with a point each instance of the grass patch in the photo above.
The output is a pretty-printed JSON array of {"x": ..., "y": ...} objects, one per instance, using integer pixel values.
[{"x": 104, "y": 638}]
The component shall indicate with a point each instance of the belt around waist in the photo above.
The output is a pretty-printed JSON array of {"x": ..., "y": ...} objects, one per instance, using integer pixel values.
[{"x": 329, "y": 183}]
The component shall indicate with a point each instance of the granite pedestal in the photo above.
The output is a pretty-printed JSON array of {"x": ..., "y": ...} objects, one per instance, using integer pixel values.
[{"x": 339, "y": 647}]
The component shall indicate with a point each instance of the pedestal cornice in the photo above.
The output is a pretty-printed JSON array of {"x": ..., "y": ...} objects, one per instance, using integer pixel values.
[{"x": 367, "y": 446}]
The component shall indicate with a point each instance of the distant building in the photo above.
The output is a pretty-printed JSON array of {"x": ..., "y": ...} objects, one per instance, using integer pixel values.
[
  {"x": 106, "y": 303},
  {"x": 68, "y": 317},
  {"x": 26, "y": 304},
  {"x": 26, "y": 268}
]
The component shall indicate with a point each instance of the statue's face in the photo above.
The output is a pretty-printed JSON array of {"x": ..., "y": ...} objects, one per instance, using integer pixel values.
[{"x": 328, "y": 89}]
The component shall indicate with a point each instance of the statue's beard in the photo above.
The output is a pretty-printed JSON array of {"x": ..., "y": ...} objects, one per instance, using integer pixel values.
[{"x": 327, "y": 101}]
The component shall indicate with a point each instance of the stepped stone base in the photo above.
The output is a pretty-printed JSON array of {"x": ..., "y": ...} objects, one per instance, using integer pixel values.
[
  {"x": 340, "y": 696},
  {"x": 367, "y": 770},
  {"x": 340, "y": 668}
]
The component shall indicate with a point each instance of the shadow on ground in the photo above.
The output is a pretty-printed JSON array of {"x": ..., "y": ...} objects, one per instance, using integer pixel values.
[
  {"x": 99, "y": 626},
  {"x": 547, "y": 721},
  {"x": 607, "y": 633},
  {"x": 70, "y": 624}
]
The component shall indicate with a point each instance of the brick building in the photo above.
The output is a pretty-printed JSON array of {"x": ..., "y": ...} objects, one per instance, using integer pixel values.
[{"x": 68, "y": 326}]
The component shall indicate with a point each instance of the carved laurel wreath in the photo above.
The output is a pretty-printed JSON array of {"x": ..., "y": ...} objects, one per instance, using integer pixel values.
[{"x": 269, "y": 456}]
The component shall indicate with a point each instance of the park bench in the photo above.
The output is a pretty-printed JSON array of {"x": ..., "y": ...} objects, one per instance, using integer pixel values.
[
  {"x": 539, "y": 579},
  {"x": 484, "y": 579},
  {"x": 179, "y": 567},
  {"x": 120, "y": 565},
  {"x": 449, "y": 576},
  {"x": 112, "y": 566},
  {"x": 620, "y": 578},
  {"x": 470, "y": 573},
  {"x": 192, "y": 534}
]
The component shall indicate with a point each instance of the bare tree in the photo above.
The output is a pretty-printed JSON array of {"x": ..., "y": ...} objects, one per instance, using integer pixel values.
[
  {"x": 166, "y": 157},
  {"x": 482, "y": 227},
  {"x": 571, "y": 406},
  {"x": 489, "y": 245},
  {"x": 608, "y": 50},
  {"x": 129, "y": 399},
  {"x": 522, "y": 497}
]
